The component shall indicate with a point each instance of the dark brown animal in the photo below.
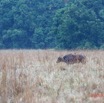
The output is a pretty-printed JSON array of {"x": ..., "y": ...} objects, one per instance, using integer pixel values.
[{"x": 72, "y": 58}]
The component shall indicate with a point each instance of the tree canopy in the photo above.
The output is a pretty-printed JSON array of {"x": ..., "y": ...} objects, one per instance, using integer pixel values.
[{"x": 61, "y": 24}]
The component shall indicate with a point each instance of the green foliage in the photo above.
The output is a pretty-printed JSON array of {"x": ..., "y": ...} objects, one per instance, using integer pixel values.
[
  {"x": 78, "y": 25},
  {"x": 69, "y": 24}
]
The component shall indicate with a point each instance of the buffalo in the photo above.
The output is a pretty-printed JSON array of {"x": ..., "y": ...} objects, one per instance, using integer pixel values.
[{"x": 72, "y": 58}]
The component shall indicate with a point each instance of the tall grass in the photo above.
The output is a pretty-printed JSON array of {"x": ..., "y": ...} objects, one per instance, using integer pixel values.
[{"x": 33, "y": 76}]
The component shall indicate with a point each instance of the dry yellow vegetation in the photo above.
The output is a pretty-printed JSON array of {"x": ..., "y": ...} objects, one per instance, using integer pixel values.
[{"x": 33, "y": 76}]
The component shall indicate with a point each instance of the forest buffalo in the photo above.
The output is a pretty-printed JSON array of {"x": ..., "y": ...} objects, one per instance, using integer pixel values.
[{"x": 72, "y": 58}]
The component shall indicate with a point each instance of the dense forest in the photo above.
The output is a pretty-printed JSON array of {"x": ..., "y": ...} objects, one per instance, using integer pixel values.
[{"x": 60, "y": 24}]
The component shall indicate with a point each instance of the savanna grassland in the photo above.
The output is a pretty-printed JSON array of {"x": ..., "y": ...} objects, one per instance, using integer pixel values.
[{"x": 33, "y": 76}]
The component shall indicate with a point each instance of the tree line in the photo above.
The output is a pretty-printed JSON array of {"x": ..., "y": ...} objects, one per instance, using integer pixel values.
[{"x": 61, "y": 24}]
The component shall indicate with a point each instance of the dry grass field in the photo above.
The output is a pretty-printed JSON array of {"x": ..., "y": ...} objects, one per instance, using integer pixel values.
[{"x": 33, "y": 76}]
